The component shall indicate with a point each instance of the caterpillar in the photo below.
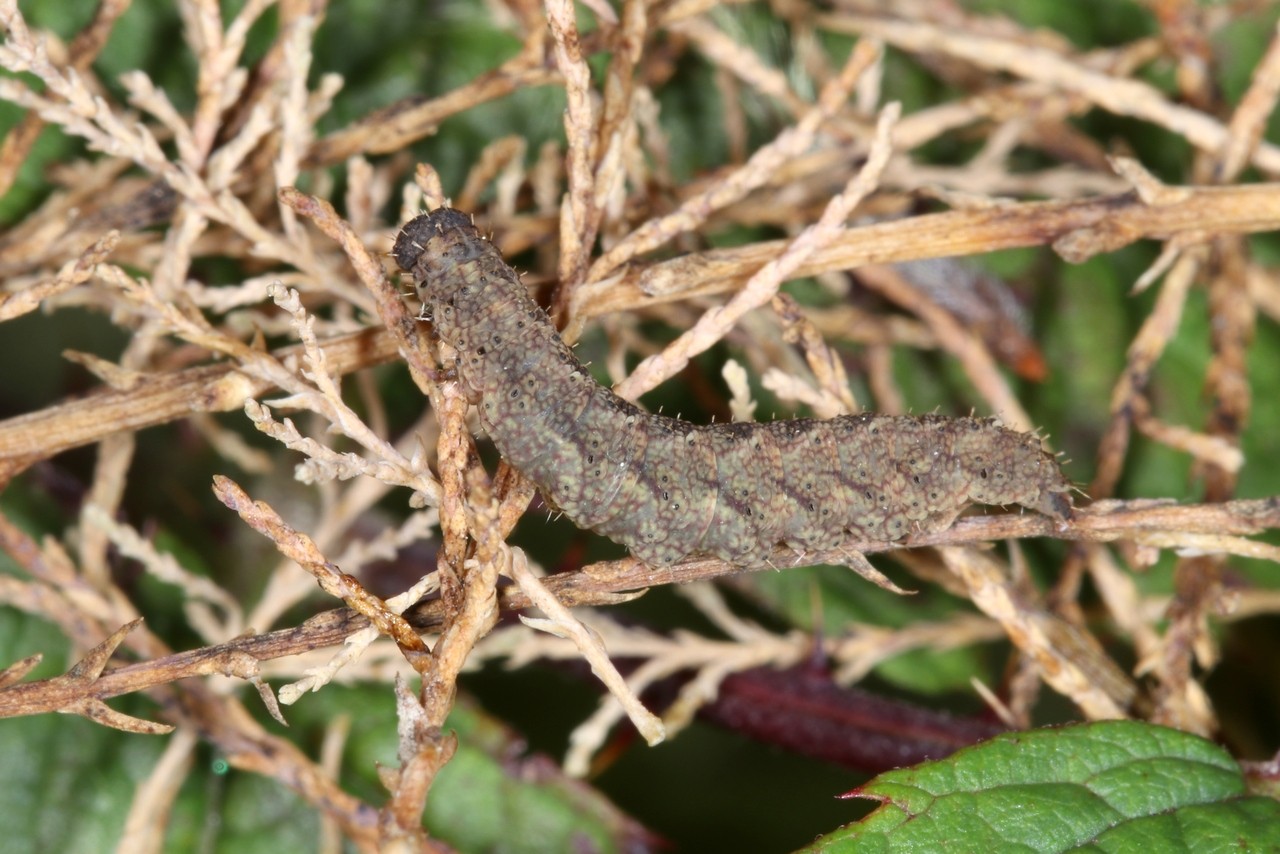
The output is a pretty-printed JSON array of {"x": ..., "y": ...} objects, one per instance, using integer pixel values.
[{"x": 666, "y": 488}]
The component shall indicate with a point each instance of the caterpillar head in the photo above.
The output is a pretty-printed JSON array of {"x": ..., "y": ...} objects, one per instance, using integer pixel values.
[{"x": 430, "y": 245}]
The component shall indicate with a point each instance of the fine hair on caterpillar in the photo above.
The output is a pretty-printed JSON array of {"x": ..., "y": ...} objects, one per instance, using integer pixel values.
[{"x": 666, "y": 488}]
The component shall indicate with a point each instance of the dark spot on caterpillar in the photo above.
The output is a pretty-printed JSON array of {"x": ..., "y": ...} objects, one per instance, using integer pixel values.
[{"x": 666, "y": 488}]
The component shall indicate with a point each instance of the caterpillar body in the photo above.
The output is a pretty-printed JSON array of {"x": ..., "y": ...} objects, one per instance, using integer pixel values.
[{"x": 666, "y": 488}]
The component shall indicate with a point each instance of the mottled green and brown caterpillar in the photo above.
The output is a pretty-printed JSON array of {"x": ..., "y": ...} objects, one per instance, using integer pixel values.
[{"x": 666, "y": 488}]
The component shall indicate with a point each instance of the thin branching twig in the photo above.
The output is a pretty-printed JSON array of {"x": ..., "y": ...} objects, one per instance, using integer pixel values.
[{"x": 170, "y": 186}]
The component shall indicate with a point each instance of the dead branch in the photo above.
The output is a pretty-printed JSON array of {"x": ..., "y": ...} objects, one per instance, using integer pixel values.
[
  {"x": 1077, "y": 229},
  {"x": 159, "y": 398},
  {"x": 1216, "y": 528}
]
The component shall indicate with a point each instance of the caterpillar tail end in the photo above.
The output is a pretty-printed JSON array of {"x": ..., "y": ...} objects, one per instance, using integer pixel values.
[{"x": 1056, "y": 505}]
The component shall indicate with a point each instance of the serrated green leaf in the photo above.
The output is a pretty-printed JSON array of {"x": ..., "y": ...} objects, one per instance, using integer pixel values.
[{"x": 1114, "y": 786}]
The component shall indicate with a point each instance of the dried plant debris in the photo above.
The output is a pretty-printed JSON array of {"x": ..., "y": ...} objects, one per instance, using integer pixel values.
[
  {"x": 668, "y": 489},
  {"x": 984, "y": 303},
  {"x": 196, "y": 289}
]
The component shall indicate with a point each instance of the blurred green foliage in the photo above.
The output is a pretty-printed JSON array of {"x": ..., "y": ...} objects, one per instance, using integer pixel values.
[{"x": 68, "y": 783}]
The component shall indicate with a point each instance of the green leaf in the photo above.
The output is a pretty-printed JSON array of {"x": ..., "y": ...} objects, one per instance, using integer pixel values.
[
  {"x": 845, "y": 598},
  {"x": 1113, "y": 786},
  {"x": 491, "y": 796},
  {"x": 69, "y": 783}
]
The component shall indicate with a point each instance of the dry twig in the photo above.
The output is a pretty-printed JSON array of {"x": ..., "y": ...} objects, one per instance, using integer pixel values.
[{"x": 130, "y": 230}]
